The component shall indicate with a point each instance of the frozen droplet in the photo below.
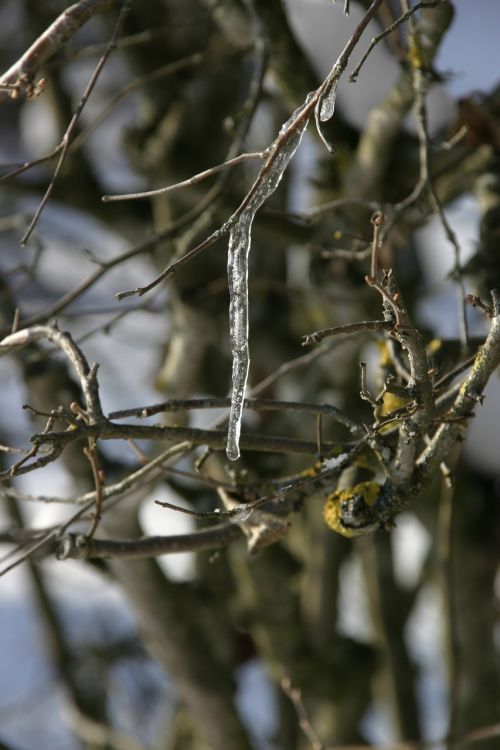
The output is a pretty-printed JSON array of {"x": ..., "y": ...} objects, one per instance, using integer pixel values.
[
  {"x": 241, "y": 513},
  {"x": 327, "y": 104}
]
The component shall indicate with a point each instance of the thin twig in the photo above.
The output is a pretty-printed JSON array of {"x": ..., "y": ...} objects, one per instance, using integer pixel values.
[
  {"x": 291, "y": 365},
  {"x": 448, "y": 589},
  {"x": 105, "y": 267},
  {"x": 170, "y": 69},
  {"x": 249, "y": 108},
  {"x": 205, "y": 514},
  {"x": 173, "y": 267},
  {"x": 148, "y": 474},
  {"x": 77, "y": 142},
  {"x": 274, "y": 153},
  {"x": 305, "y": 725},
  {"x": 404, "y": 17},
  {"x": 10, "y": 449},
  {"x": 402, "y": 467},
  {"x": 363, "y": 391},
  {"x": 65, "y": 142},
  {"x": 377, "y": 220},
  {"x": 27, "y": 553},
  {"x": 95, "y": 733},
  {"x": 425, "y": 181},
  {"x": 87, "y": 376},
  {"x": 15, "y": 322},
  {"x": 105, "y": 430},
  {"x": 63, "y": 28},
  {"x": 191, "y": 181},
  {"x": 364, "y": 326},
  {"x": 91, "y": 453},
  {"x": 470, "y": 393},
  {"x": 256, "y": 404},
  {"x": 312, "y": 214},
  {"x": 16, "y": 468}
]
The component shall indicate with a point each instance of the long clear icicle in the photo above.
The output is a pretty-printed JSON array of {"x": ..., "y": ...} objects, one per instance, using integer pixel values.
[{"x": 240, "y": 239}]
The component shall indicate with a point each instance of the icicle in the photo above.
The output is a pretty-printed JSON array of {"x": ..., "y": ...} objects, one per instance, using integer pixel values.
[
  {"x": 237, "y": 268},
  {"x": 240, "y": 238},
  {"x": 326, "y": 106}
]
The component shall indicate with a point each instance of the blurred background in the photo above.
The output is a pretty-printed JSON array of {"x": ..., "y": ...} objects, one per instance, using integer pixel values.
[{"x": 390, "y": 638}]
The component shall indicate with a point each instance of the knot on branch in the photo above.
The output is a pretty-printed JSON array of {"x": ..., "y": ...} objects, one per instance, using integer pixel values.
[{"x": 72, "y": 546}]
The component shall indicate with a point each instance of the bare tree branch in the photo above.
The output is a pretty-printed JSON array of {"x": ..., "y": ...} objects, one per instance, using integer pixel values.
[
  {"x": 87, "y": 376},
  {"x": 81, "y": 547},
  {"x": 22, "y": 72},
  {"x": 65, "y": 142}
]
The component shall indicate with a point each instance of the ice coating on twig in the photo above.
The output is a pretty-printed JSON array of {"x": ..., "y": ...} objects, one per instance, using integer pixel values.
[
  {"x": 327, "y": 103},
  {"x": 240, "y": 237},
  {"x": 325, "y": 108},
  {"x": 240, "y": 513}
]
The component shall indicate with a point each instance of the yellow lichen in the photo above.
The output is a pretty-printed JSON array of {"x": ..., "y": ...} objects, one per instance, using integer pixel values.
[
  {"x": 385, "y": 354},
  {"x": 390, "y": 407},
  {"x": 433, "y": 347},
  {"x": 391, "y": 402},
  {"x": 311, "y": 471},
  {"x": 337, "y": 502},
  {"x": 415, "y": 53}
]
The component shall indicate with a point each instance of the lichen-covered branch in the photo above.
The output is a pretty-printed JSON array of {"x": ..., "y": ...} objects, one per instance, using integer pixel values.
[{"x": 470, "y": 394}]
